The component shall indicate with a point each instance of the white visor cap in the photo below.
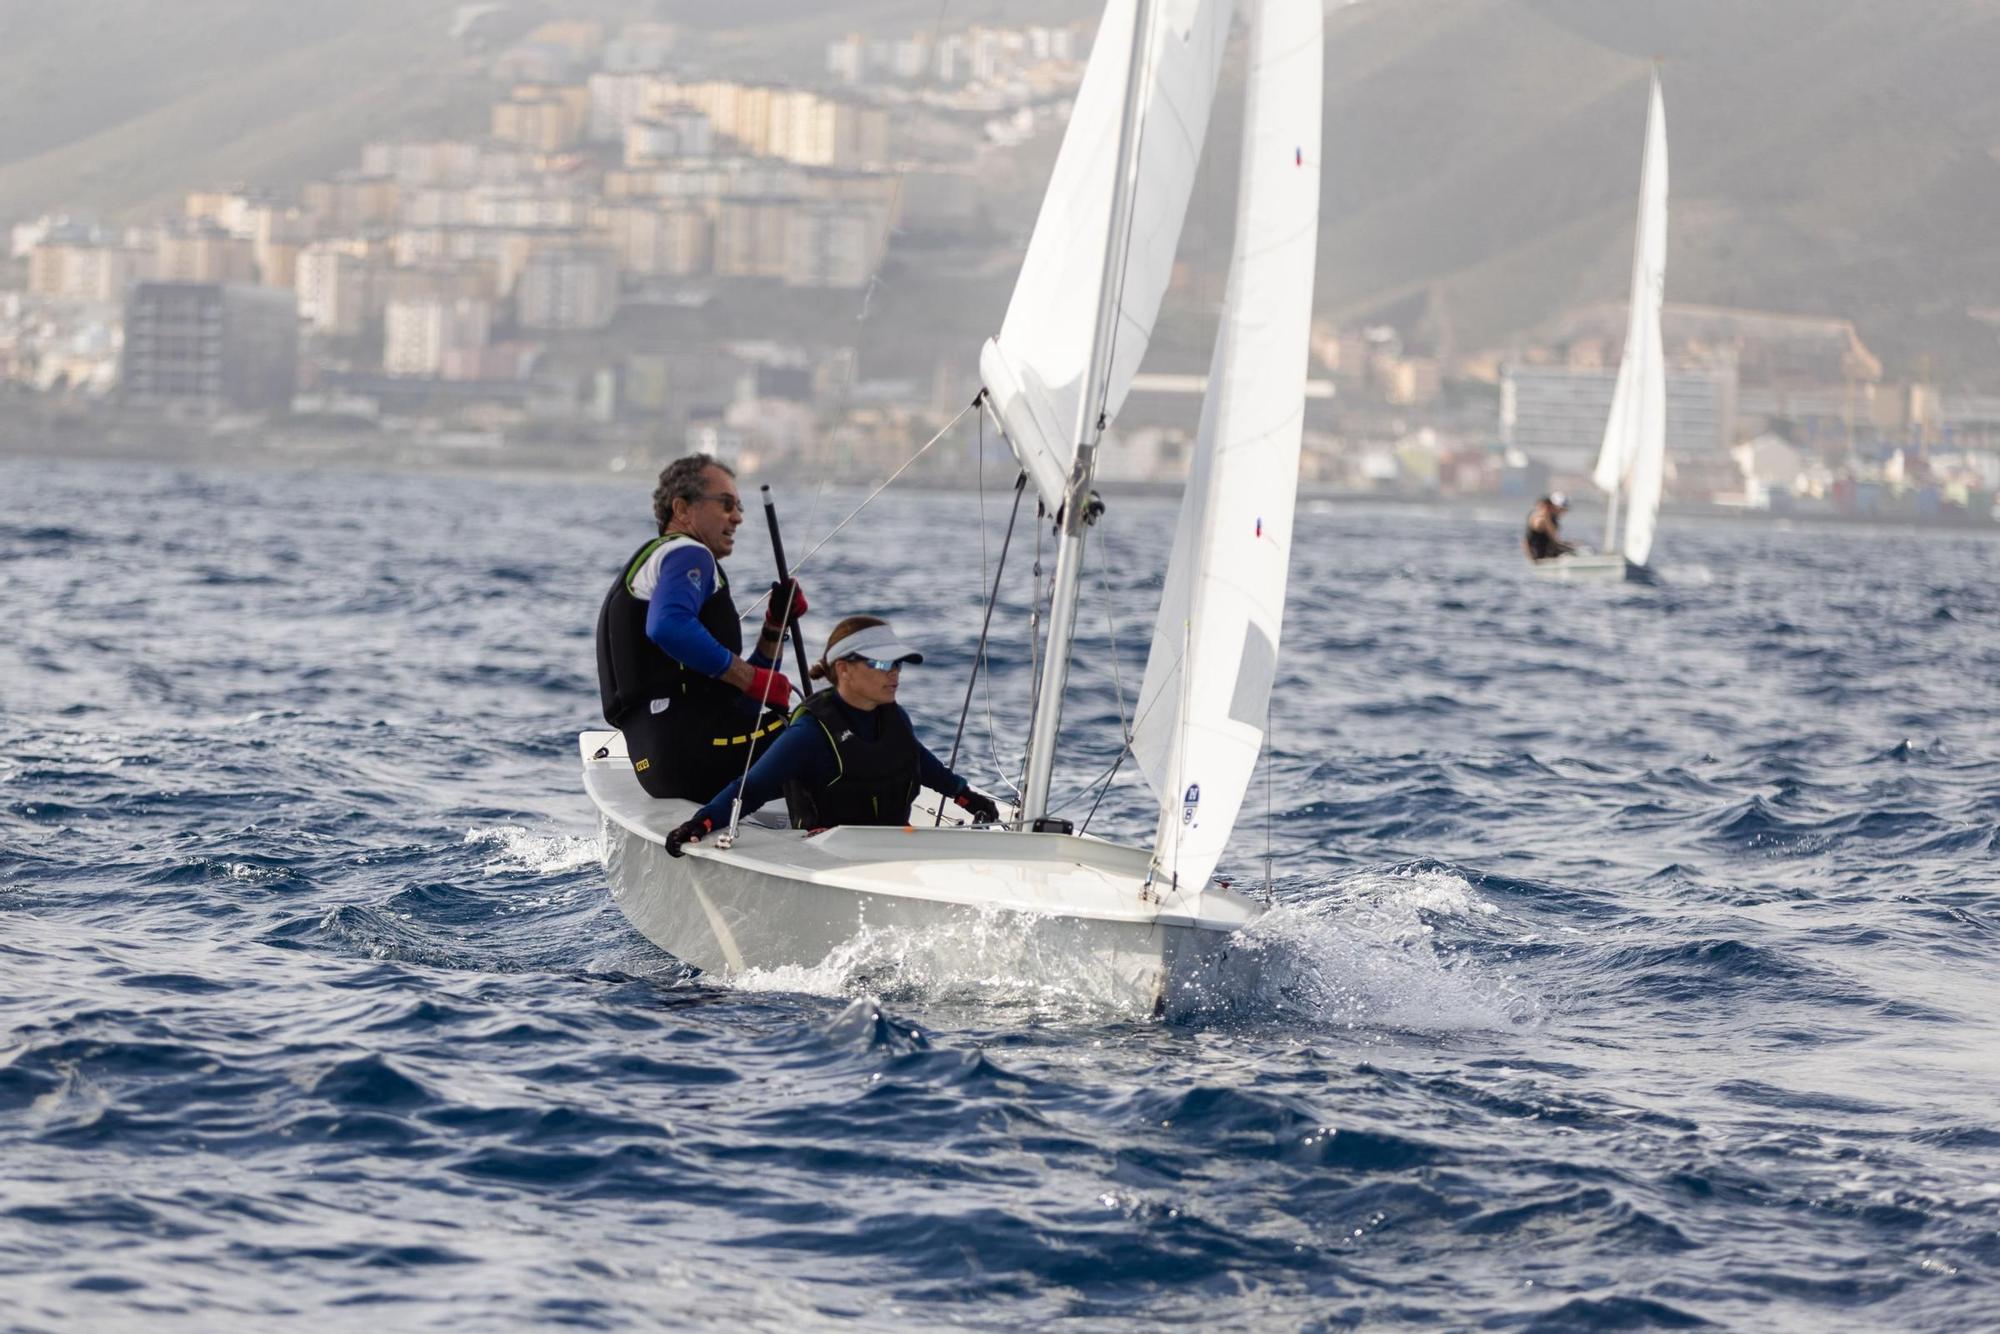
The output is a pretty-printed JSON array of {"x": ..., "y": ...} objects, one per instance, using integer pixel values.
[{"x": 878, "y": 642}]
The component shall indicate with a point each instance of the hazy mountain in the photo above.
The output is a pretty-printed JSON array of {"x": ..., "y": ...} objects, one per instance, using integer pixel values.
[
  {"x": 119, "y": 104},
  {"x": 1838, "y": 156}
]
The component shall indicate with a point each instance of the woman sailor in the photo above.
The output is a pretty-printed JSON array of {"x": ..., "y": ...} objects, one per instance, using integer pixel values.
[{"x": 860, "y": 762}]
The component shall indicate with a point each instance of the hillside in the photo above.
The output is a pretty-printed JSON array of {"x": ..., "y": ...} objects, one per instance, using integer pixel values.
[
  {"x": 1829, "y": 156},
  {"x": 1835, "y": 156},
  {"x": 118, "y": 106}
]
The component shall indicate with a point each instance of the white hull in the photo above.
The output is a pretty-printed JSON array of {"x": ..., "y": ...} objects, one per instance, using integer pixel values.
[
  {"x": 1585, "y": 567},
  {"x": 1080, "y": 913}
]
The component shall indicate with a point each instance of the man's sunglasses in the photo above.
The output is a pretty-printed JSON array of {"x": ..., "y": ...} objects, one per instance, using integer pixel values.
[
  {"x": 877, "y": 663},
  {"x": 730, "y": 504}
]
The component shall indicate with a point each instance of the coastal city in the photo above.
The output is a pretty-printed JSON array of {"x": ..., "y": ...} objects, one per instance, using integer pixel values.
[{"x": 636, "y": 252}]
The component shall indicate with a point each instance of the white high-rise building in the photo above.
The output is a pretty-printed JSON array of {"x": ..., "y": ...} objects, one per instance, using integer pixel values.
[{"x": 421, "y": 336}]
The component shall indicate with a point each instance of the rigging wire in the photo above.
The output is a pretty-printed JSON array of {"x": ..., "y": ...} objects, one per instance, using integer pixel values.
[
  {"x": 1034, "y": 635},
  {"x": 886, "y": 483},
  {"x": 1137, "y": 721},
  {"x": 728, "y": 838},
  {"x": 986, "y": 691},
  {"x": 757, "y": 606},
  {"x": 1117, "y": 683},
  {"x": 985, "y": 625}
]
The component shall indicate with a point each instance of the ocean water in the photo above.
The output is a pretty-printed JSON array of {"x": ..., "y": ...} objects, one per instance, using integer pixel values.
[{"x": 1635, "y": 963}]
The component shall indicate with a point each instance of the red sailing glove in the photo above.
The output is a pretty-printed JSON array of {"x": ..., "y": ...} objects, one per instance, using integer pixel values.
[
  {"x": 683, "y": 835},
  {"x": 980, "y": 806},
  {"x": 769, "y": 688},
  {"x": 787, "y": 604}
]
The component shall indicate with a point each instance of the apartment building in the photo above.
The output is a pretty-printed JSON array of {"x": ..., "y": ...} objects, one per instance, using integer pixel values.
[
  {"x": 660, "y": 240},
  {"x": 213, "y": 346},
  {"x": 1556, "y": 414},
  {"x": 668, "y": 134},
  {"x": 429, "y": 336},
  {"x": 201, "y": 251},
  {"x": 568, "y": 287},
  {"x": 87, "y": 270},
  {"x": 832, "y": 245},
  {"x": 339, "y": 292},
  {"x": 752, "y": 237},
  {"x": 350, "y": 203}
]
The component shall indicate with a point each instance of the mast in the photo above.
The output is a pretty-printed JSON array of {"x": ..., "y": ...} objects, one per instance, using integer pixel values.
[{"x": 1079, "y": 508}]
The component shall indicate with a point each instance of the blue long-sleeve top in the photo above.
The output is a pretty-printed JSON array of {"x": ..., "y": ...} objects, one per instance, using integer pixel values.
[
  {"x": 804, "y": 754},
  {"x": 674, "y": 583}
]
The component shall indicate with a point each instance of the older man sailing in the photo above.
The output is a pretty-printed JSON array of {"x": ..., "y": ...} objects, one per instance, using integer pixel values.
[{"x": 669, "y": 667}]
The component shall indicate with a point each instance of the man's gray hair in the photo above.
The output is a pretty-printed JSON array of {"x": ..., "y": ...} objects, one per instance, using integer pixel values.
[{"x": 682, "y": 480}]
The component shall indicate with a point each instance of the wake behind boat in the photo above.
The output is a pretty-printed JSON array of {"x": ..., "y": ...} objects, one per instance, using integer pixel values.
[{"x": 1143, "y": 922}]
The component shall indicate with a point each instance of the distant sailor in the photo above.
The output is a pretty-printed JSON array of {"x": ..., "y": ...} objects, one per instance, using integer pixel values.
[
  {"x": 1543, "y": 540},
  {"x": 851, "y": 755},
  {"x": 668, "y": 643}
]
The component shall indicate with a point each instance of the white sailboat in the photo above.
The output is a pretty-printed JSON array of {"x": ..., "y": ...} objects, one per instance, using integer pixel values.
[
  {"x": 1631, "y": 463},
  {"x": 1139, "y": 921}
]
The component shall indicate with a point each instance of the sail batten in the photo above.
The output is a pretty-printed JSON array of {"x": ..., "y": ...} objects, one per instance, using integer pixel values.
[{"x": 1204, "y": 705}]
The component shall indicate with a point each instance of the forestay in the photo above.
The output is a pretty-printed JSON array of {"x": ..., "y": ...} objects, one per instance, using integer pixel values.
[
  {"x": 1034, "y": 371},
  {"x": 1635, "y": 436},
  {"x": 1203, "y": 707}
]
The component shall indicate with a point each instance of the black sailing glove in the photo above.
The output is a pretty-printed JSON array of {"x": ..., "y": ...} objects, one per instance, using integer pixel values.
[
  {"x": 690, "y": 832},
  {"x": 786, "y": 605},
  {"x": 979, "y": 806}
]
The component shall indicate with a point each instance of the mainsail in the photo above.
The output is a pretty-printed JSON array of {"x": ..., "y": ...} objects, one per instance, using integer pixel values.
[
  {"x": 1634, "y": 454},
  {"x": 1034, "y": 371},
  {"x": 1204, "y": 704}
]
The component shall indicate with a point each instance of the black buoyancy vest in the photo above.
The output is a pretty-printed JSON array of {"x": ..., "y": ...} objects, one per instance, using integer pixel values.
[
  {"x": 876, "y": 778},
  {"x": 633, "y": 671},
  {"x": 1542, "y": 545}
]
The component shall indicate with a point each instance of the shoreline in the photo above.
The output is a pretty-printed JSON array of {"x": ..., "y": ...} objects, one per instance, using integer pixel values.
[{"x": 92, "y": 439}]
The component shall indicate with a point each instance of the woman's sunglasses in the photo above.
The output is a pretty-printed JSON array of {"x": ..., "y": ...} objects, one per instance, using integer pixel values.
[{"x": 877, "y": 663}]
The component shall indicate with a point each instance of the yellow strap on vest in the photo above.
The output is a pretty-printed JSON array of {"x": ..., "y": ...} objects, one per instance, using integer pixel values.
[{"x": 764, "y": 731}]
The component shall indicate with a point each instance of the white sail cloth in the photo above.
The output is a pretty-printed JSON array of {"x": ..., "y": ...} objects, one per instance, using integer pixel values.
[
  {"x": 1204, "y": 704},
  {"x": 1034, "y": 371},
  {"x": 1634, "y": 453}
]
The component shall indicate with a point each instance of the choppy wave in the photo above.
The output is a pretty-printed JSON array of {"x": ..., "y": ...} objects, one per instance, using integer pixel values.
[{"x": 1625, "y": 966}]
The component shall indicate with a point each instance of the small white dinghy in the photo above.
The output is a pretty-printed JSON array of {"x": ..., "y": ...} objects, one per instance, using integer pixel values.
[
  {"x": 1140, "y": 923},
  {"x": 1632, "y": 462},
  {"x": 1582, "y": 567},
  {"x": 779, "y": 898}
]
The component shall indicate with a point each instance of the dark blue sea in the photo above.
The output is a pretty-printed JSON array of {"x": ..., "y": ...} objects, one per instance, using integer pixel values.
[{"x": 1635, "y": 963}]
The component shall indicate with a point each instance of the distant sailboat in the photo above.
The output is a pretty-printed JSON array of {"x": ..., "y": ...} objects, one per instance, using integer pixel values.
[
  {"x": 1631, "y": 464},
  {"x": 1137, "y": 922}
]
